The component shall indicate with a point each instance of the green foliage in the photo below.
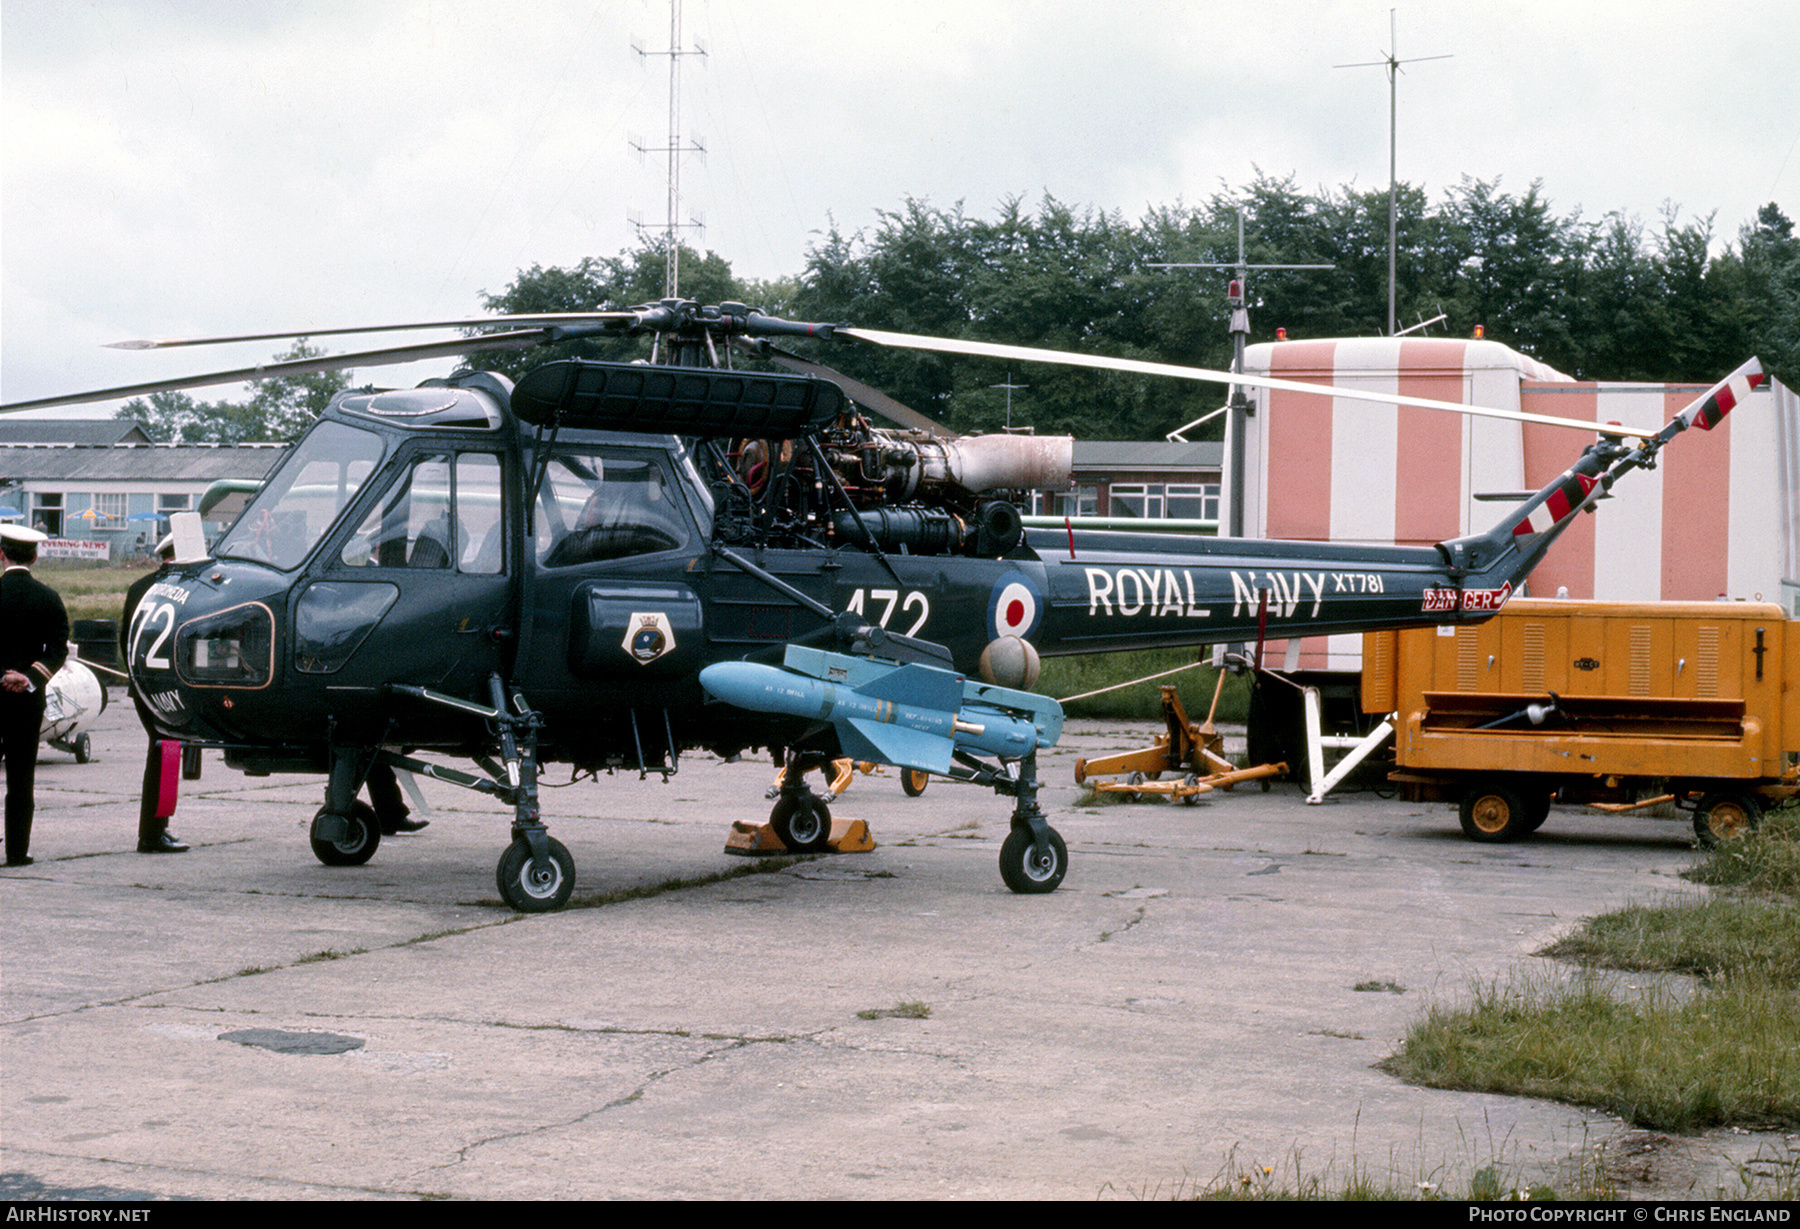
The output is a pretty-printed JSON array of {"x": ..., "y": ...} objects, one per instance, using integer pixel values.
[
  {"x": 1074, "y": 676},
  {"x": 1596, "y": 300},
  {"x": 630, "y": 279}
]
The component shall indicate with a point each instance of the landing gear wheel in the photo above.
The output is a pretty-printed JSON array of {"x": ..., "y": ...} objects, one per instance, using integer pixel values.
[
  {"x": 1193, "y": 799},
  {"x": 802, "y": 823},
  {"x": 84, "y": 749},
  {"x": 358, "y": 843},
  {"x": 1725, "y": 817},
  {"x": 914, "y": 781},
  {"x": 190, "y": 762},
  {"x": 530, "y": 890},
  {"x": 1023, "y": 871},
  {"x": 1493, "y": 812}
]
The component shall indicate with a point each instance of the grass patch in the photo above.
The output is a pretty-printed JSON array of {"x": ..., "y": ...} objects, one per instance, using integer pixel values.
[
  {"x": 1237, "y": 1182},
  {"x": 1729, "y": 1055},
  {"x": 1379, "y": 987},
  {"x": 1709, "y": 939},
  {"x": 1723, "y": 1050},
  {"x": 1072, "y": 676},
  {"x": 90, "y": 592},
  {"x": 912, "y": 1009},
  {"x": 1767, "y": 863}
]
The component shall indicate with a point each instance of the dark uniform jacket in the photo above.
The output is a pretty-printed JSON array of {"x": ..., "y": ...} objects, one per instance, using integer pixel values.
[{"x": 34, "y": 627}]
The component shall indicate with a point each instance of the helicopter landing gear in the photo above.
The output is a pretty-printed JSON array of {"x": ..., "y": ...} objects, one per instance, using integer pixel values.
[
  {"x": 345, "y": 840},
  {"x": 800, "y": 819},
  {"x": 1025, "y": 870},
  {"x": 531, "y": 885},
  {"x": 802, "y": 823},
  {"x": 1033, "y": 858}
]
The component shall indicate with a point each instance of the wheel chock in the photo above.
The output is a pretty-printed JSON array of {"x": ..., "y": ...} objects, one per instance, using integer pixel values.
[{"x": 759, "y": 840}]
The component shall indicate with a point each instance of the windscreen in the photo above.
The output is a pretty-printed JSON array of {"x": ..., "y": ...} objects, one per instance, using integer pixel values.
[{"x": 304, "y": 497}]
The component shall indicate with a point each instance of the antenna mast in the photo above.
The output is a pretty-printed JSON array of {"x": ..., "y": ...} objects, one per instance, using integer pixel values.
[
  {"x": 674, "y": 149},
  {"x": 1236, "y": 298},
  {"x": 1392, "y": 63}
]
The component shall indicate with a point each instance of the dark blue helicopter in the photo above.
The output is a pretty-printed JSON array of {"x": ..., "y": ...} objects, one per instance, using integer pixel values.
[{"x": 611, "y": 563}]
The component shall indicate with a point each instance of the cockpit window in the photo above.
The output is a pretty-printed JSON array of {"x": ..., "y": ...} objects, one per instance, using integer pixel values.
[
  {"x": 442, "y": 513},
  {"x": 313, "y": 486},
  {"x": 593, "y": 508}
]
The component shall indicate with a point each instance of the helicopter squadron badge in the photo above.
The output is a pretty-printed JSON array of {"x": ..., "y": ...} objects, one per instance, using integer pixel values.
[{"x": 648, "y": 637}]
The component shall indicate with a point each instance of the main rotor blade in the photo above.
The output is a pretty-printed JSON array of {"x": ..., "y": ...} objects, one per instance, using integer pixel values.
[
  {"x": 541, "y": 318},
  {"x": 1027, "y": 354},
  {"x": 520, "y": 340},
  {"x": 862, "y": 393}
]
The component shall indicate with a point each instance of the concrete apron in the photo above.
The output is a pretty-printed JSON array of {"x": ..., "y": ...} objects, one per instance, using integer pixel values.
[{"x": 241, "y": 1021}]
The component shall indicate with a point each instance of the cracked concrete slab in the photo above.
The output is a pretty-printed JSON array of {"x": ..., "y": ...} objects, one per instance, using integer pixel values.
[{"x": 1186, "y": 1002}]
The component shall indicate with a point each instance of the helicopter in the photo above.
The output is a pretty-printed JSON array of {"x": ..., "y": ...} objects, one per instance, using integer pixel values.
[{"x": 609, "y": 564}]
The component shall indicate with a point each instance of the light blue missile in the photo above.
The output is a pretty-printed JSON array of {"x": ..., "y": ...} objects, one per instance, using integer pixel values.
[{"x": 911, "y": 716}]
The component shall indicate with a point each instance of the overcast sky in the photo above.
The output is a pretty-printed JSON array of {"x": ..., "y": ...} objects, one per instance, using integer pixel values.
[{"x": 182, "y": 167}]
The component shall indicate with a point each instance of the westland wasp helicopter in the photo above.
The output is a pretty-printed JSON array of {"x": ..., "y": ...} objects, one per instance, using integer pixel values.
[{"x": 608, "y": 564}]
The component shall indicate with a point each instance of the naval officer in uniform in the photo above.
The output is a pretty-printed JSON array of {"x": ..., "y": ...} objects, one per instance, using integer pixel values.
[{"x": 34, "y": 643}]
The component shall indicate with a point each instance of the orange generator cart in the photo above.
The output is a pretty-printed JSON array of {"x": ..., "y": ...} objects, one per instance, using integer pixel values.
[{"x": 1605, "y": 703}]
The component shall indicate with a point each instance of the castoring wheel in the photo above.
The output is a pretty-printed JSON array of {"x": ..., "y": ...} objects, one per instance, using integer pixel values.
[
  {"x": 356, "y": 845},
  {"x": 528, "y": 889},
  {"x": 802, "y": 823},
  {"x": 1725, "y": 817},
  {"x": 914, "y": 781},
  {"x": 1493, "y": 811},
  {"x": 1024, "y": 871}
]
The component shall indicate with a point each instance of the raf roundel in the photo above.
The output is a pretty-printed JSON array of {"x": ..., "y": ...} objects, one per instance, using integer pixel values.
[{"x": 1015, "y": 607}]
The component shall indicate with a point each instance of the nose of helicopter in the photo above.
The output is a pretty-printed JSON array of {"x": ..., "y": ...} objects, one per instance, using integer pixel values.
[{"x": 194, "y": 644}]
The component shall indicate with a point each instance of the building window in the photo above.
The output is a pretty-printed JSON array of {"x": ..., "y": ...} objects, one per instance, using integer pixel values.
[
  {"x": 110, "y": 509},
  {"x": 1135, "y": 499},
  {"x": 166, "y": 504},
  {"x": 47, "y": 512},
  {"x": 1193, "y": 501},
  {"x": 1082, "y": 501}
]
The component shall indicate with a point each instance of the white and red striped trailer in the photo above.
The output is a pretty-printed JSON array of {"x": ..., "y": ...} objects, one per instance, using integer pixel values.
[{"x": 1719, "y": 517}]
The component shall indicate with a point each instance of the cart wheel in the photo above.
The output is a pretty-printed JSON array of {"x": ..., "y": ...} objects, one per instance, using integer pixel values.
[
  {"x": 1725, "y": 817},
  {"x": 914, "y": 781},
  {"x": 1136, "y": 778},
  {"x": 1190, "y": 800},
  {"x": 1493, "y": 812},
  {"x": 1537, "y": 809}
]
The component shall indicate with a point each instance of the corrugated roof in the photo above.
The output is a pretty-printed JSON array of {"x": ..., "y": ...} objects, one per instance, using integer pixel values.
[
  {"x": 72, "y": 431},
  {"x": 138, "y": 463}
]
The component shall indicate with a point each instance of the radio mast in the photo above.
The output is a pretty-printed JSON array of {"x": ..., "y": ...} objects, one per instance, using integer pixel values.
[{"x": 674, "y": 149}]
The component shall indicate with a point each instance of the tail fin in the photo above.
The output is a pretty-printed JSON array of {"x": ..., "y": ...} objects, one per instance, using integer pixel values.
[{"x": 1512, "y": 548}]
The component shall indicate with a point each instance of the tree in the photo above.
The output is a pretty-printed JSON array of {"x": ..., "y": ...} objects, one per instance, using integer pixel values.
[{"x": 279, "y": 410}]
